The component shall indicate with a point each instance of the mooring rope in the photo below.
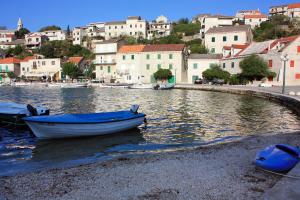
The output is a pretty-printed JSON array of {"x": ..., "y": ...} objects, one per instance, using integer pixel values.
[{"x": 279, "y": 174}]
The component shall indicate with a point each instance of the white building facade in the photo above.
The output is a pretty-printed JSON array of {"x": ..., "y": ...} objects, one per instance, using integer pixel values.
[
  {"x": 217, "y": 38},
  {"x": 198, "y": 63},
  {"x": 133, "y": 26},
  {"x": 161, "y": 27},
  {"x": 54, "y": 35},
  {"x": 138, "y": 63}
]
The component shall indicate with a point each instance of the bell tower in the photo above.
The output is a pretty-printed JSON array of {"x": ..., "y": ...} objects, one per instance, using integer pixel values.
[{"x": 20, "y": 24}]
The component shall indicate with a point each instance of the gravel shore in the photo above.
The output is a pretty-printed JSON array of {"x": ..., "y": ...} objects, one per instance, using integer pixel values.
[{"x": 221, "y": 171}]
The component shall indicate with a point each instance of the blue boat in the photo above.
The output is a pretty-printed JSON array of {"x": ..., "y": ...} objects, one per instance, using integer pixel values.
[
  {"x": 278, "y": 158},
  {"x": 79, "y": 125}
]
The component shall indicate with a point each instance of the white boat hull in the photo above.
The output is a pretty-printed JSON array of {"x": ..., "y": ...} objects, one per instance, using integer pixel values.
[{"x": 60, "y": 130}]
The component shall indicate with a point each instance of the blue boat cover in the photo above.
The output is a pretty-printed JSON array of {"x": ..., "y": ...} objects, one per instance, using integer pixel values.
[
  {"x": 278, "y": 158},
  {"x": 104, "y": 117}
]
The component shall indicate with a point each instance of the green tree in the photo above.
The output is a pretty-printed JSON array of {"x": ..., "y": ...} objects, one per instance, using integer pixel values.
[
  {"x": 163, "y": 74},
  {"x": 20, "y": 34},
  {"x": 255, "y": 68},
  {"x": 48, "y": 50},
  {"x": 183, "y": 21},
  {"x": 50, "y": 28},
  {"x": 198, "y": 48},
  {"x": 186, "y": 27},
  {"x": 68, "y": 31},
  {"x": 71, "y": 70},
  {"x": 89, "y": 71},
  {"x": 171, "y": 39},
  {"x": 215, "y": 71}
]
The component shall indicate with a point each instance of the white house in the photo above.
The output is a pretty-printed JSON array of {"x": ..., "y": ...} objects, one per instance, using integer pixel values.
[
  {"x": 12, "y": 44},
  {"x": 7, "y": 36},
  {"x": 290, "y": 10},
  {"x": 53, "y": 35},
  {"x": 77, "y": 34},
  {"x": 105, "y": 59},
  {"x": 218, "y": 37},
  {"x": 138, "y": 63},
  {"x": 161, "y": 27},
  {"x": 134, "y": 26},
  {"x": 41, "y": 68},
  {"x": 34, "y": 40},
  {"x": 240, "y": 15},
  {"x": 211, "y": 21},
  {"x": 255, "y": 20},
  {"x": 198, "y": 63},
  {"x": 271, "y": 51},
  {"x": 7, "y": 65}
]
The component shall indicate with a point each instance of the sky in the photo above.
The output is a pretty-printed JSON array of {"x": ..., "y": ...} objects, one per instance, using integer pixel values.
[{"x": 39, "y": 13}]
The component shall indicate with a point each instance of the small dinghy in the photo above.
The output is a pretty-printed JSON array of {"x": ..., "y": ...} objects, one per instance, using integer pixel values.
[
  {"x": 11, "y": 112},
  {"x": 79, "y": 125},
  {"x": 141, "y": 86},
  {"x": 278, "y": 158}
]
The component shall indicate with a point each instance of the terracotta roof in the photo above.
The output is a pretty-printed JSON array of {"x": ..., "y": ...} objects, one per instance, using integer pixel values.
[
  {"x": 294, "y": 5},
  {"x": 10, "y": 60},
  {"x": 255, "y": 16},
  {"x": 240, "y": 46},
  {"x": 285, "y": 40},
  {"x": 249, "y": 11},
  {"x": 131, "y": 48},
  {"x": 115, "y": 23},
  {"x": 164, "y": 47},
  {"x": 26, "y": 59},
  {"x": 75, "y": 60},
  {"x": 227, "y": 47},
  {"x": 228, "y": 29}
]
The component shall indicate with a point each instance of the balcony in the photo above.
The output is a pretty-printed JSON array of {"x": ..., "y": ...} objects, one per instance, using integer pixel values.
[{"x": 105, "y": 62}]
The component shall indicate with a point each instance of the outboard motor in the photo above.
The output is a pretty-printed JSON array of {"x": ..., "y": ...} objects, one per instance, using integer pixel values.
[
  {"x": 32, "y": 110},
  {"x": 134, "y": 109}
]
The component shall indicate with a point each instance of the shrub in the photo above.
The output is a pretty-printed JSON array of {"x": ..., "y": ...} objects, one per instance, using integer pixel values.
[
  {"x": 215, "y": 71},
  {"x": 163, "y": 74}
]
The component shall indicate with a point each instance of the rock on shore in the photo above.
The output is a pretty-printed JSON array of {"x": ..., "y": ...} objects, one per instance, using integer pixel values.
[{"x": 222, "y": 171}]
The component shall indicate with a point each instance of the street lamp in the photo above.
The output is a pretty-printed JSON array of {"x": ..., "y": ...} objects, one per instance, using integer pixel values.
[{"x": 284, "y": 59}]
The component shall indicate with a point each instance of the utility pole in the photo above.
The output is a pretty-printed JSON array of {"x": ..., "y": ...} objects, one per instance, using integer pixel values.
[{"x": 284, "y": 59}]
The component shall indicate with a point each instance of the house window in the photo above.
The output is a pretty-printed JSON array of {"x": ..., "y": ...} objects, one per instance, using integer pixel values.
[
  {"x": 53, "y": 62},
  {"x": 270, "y": 63},
  {"x": 43, "y": 63},
  {"x": 34, "y": 65},
  {"x": 124, "y": 57},
  {"x": 132, "y": 57},
  {"x": 148, "y": 67},
  {"x": 6, "y": 68},
  {"x": 158, "y": 56},
  {"x": 292, "y": 63},
  {"x": 159, "y": 66},
  {"x": 224, "y": 65},
  {"x": 148, "y": 56},
  {"x": 108, "y": 69},
  {"x": 213, "y": 50},
  {"x": 213, "y": 39},
  {"x": 170, "y": 66},
  {"x": 195, "y": 66},
  {"x": 232, "y": 64},
  {"x": 101, "y": 68},
  {"x": 297, "y": 76},
  {"x": 0, "y": 68},
  {"x": 224, "y": 38},
  {"x": 236, "y": 38},
  {"x": 170, "y": 56}
]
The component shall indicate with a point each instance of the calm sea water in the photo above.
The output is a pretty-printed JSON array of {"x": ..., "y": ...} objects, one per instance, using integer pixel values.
[{"x": 176, "y": 119}]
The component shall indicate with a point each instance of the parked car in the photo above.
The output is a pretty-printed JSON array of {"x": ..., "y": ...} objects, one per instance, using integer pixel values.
[
  {"x": 217, "y": 81},
  {"x": 198, "y": 81}
]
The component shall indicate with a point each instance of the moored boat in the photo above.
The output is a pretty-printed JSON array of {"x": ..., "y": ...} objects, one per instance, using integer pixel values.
[
  {"x": 278, "y": 158},
  {"x": 164, "y": 86},
  {"x": 141, "y": 86},
  {"x": 79, "y": 125},
  {"x": 74, "y": 85},
  {"x": 11, "y": 112}
]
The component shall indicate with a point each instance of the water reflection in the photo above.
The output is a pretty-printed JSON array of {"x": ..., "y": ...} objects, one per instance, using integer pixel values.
[
  {"x": 176, "y": 118},
  {"x": 78, "y": 148}
]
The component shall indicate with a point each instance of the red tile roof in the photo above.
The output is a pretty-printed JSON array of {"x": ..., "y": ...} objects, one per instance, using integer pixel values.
[
  {"x": 227, "y": 47},
  {"x": 26, "y": 59},
  {"x": 240, "y": 46},
  {"x": 164, "y": 47},
  {"x": 10, "y": 60},
  {"x": 75, "y": 60},
  {"x": 131, "y": 48},
  {"x": 294, "y": 5},
  {"x": 255, "y": 16},
  {"x": 285, "y": 40}
]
